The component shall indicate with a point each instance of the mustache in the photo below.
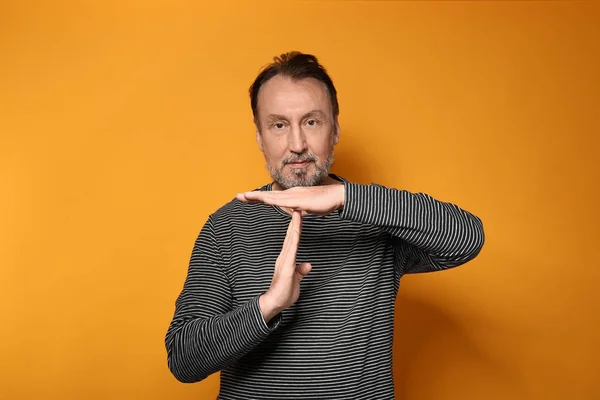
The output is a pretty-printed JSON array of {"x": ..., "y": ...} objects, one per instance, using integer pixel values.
[{"x": 300, "y": 158}]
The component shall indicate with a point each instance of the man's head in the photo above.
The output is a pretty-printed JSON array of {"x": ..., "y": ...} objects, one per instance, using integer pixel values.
[{"x": 295, "y": 108}]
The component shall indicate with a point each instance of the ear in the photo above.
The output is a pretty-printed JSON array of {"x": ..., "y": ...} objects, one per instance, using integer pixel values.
[
  {"x": 259, "y": 139},
  {"x": 336, "y": 133}
]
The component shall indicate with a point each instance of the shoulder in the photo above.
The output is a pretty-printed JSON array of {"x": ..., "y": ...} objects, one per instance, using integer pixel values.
[
  {"x": 349, "y": 182},
  {"x": 354, "y": 189}
]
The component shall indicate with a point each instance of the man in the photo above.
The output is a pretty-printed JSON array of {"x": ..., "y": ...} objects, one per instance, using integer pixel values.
[{"x": 291, "y": 287}]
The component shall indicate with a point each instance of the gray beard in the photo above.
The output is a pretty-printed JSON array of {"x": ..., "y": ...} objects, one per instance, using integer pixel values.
[{"x": 300, "y": 175}]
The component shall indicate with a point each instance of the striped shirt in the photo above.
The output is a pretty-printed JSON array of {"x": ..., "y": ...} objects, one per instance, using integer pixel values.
[{"x": 335, "y": 342}]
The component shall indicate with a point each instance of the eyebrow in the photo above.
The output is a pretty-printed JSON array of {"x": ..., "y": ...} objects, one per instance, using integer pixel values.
[{"x": 312, "y": 113}]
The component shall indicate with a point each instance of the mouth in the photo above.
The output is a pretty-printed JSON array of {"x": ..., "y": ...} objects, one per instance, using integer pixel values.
[{"x": 299, "y": 164}]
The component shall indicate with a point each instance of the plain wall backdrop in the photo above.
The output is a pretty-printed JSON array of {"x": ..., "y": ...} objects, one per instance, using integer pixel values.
[{"x": 123, "y": 124}]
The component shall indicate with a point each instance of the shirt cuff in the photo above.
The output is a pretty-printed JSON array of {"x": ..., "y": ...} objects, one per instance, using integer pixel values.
[{"x": 264, "y": 327}]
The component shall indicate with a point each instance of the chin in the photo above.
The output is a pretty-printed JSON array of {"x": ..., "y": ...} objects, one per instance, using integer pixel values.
[
  {"x": 300, "y": 180},
  {"x": 287, "y": 177}
]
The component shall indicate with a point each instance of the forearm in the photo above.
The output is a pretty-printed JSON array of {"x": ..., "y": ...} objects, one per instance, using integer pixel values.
[
  {"x": 200, "y": 347},
  {"x": 442, "y": 230}
]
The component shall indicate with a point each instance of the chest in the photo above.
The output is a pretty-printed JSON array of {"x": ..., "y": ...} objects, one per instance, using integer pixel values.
[{"x": 346, "y": 257}]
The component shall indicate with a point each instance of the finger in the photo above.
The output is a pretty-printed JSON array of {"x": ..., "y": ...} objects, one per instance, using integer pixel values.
[
  {"x": 297, "y": 214},
  {"x": 251, "y": 196},
  {"x": 297, "y": 226},
  {"x": 279, "y": 198},
  {"x": 247, "y": 198},
  {"x": 293, "y": 238},
  {"x": 286, "y": 241},
  {"x": 288, "y": 233},
  {"x": 303, "y": 269}
]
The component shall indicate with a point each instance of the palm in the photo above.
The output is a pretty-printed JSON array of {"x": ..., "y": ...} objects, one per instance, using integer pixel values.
[{"x": 319, "y": 200}]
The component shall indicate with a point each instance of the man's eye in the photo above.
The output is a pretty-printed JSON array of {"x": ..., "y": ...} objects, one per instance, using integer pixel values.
[
  {"x": 278, "y": 125},
  {"x": 311, "y": 122}
]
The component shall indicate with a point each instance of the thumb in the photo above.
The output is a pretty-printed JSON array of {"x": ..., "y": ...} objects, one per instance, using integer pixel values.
[{"x": 303, "y": 269}]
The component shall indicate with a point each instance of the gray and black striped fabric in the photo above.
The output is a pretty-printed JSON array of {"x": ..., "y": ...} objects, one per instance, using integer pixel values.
[{"x": 336, "y": 341}]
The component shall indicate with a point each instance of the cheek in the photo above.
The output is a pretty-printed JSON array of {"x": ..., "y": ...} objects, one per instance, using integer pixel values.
[
  {"x": 275, "y": 150},
  {"x": 321, "y": 148}
]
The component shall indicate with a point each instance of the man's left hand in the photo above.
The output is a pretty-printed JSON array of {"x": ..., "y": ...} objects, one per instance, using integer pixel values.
[{"x": 318, "y": 200}]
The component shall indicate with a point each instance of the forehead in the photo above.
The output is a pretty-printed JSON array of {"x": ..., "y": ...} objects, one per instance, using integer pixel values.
[{"x": 284, "y": 96}]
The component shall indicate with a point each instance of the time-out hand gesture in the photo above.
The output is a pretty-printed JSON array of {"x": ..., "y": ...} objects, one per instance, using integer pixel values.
[
  {"x": 285, "y": 285},
  {"x": 319, "y": 200}
]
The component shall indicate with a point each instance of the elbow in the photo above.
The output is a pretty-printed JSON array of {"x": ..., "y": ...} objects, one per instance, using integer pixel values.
[
  {"x": 479, "y": 236},
  {"x": 477, "y": 240},
  {"x": 183, "y": 377},
  {"x": 183, "y": 365},
  {"x": 183, "y": 370},
  {"x": 472, "y": 244}
]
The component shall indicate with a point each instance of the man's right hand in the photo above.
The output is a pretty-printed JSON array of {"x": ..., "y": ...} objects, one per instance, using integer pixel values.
[{"x": 285, "y": 285}]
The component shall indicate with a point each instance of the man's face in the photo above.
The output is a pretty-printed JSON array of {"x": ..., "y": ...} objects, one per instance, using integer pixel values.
[{"x": 297, "y": 131}]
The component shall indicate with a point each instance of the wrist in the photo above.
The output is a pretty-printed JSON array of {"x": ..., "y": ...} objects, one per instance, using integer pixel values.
[{"x": 268, "y": 307}]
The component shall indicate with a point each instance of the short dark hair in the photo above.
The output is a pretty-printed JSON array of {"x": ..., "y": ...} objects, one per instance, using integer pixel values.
[{"x": 295, "y": 65}]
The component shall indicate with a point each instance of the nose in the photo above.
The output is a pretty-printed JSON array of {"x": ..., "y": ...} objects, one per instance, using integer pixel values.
[{"x": 297, "y": 140}]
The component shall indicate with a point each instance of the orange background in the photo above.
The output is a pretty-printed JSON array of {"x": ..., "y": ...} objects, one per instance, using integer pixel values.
[{"x": 124, "y": 124}]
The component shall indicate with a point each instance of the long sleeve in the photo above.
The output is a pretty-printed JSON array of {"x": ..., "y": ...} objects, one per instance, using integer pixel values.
[
  {"x": 428, "y": 234},
  {"x": 206, "y": 333}
]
